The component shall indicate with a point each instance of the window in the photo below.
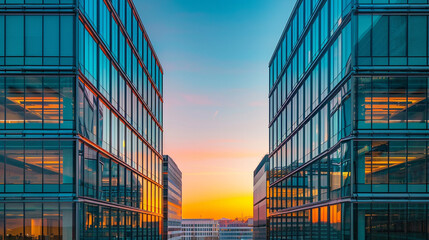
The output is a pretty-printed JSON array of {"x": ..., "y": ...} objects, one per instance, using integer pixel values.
[
  {"x": 417, "y": 40},
  {"x": 51, "y": 102},
  {"x": 14, "y": 110},
  {"x": 67, "y": 104},
  {"x": 89, "y": 183},
  {"x": 51, "y": 38},
  {"x": 88, "y": 113},
  {"x": 104, "y": 74},
  {"x": 14, "y": 40},
  {"x": 397, "y": 39},
  {"x": 105, "y": 178},
  {"x": 66, "y": 40},
  {"x": 14, "y": 166},
  {"x": 379, "y": 39},
  {"x": 88, "y": 55},
  {"x": 51, "y": 166},
  {"x": 33, "y": 40},
  {"x": 105, "y": 19},
  {"x": 104, "y": 126}
]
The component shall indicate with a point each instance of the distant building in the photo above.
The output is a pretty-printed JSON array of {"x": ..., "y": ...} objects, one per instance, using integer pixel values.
[
  {"x": 236, "y": 230},
  {"x": 200, "y": 229},
  {"x": 172, "y": 199},
  {"x": 223, "y": 222},
  {"x": 260, "y": 199}
]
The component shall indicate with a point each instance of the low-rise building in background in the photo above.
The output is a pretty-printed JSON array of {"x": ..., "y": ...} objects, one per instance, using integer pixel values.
[
  {"x": 172, "y": 199},
  {"x": 200, "y": 229},
  {"x": 236, "y": 229},
  {"x": 260, "y": 184}
]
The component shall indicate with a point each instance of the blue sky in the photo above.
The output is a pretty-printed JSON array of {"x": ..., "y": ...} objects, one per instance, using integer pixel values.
[{"x": 215, "y": 56}]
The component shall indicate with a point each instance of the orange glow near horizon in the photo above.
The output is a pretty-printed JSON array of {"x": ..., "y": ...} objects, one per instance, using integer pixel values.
[{"x": 217, "y": 175}]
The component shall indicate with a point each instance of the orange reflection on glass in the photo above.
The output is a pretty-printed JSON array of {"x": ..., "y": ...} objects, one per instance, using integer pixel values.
[
  {"x": 315, "y": 215},
  {"x": 324, "y": 214},
  {"x": 47, "y": 107}
]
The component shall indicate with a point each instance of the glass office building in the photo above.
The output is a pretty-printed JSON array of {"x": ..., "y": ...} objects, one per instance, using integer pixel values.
[
  {"x": 172, "y": 199},
  {"x": 260, "y": 189},
  {"x": 80, "y": 122},
  {"x": 349, "y": 121}
]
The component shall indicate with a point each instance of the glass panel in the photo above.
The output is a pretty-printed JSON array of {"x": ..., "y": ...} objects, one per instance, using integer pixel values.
[
  {"x": 14, "y": 103},
  {"x": 51, "y": 166},
  {"x": 14, "y": 221},
  {"x": 416, "y": 166},
  {"x": 397, "y": 166},
  {"x": 379, "y": 171},
  {"x": 398, "y": 102},
  {"x": 33, "y": 166},
  {"x": 67, "y": 163},
  {"x": 380, "y": 104},
  {"x": 51, "y": 102},
  {"x": 33, "y": 221},
  {"x": 417, "y": 103},
  {"x": 14, "y": 166},
  {"x": 33, "y": 102},
  {"x": 14, "y": 39},
  {"x": 51, "y": 39},
  {"x": 51, "y": 227},
  {"x": 33, "y": 40}
]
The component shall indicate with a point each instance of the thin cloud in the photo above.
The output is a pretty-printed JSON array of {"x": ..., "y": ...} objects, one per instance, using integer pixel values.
[
  {"x": 200, "y": 100},
  {"x": 215, "y": 114}
]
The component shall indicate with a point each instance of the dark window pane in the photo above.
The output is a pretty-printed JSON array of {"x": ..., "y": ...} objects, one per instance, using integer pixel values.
[
  {"x": 33, "y": 166},
  {"x": 51, "y": 102},
  {"x": 51, "y": 220},
  {"x": 416, "y": 165},
  {"x": 105, "y": 181},
  {"x": 33, "y": 102},
  {"x": 2, "y": 168},
  {"x": 51, "y": 36},
  {"x": 15, "y": 103},
  {"x": 51, "y": 166},
  {"x": 90, "y": 172},
  {"x": 364, "y": 35},
  {"x": 417, "y": 101},
  {"x": 417, "y": 36},
  {"x": 379, "y": 171},
  {"x": 67, "y": 39},
  {"x": 14, "y": 220},
  {"x": 67, "y": 158},
  {"x": 14, "y": 166},
  {"x": 398, "y": 102},
  {"x": 33, "y": 40},
  {"x": 380, "y": 111},
  {"x": 397, "y": 36},
  {"x": 14, "y": 36},
  {"x": 33, "y": 221},
  {"x": 67, "y": 105}
]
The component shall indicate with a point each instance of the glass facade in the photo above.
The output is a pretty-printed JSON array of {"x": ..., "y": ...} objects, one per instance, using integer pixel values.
[
  {"x": 81, "y": 123},
  {"x": 172, "y": 199},
  {"x": 348, "y": 122},
  {"x": 260, "y": 189}
]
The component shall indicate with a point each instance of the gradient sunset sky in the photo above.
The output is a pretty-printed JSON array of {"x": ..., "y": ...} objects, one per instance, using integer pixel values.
[{"x": 215, "y": 56}]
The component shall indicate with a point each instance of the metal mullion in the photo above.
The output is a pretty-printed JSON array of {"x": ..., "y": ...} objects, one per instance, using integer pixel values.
[
  {"x": 312, "y": 66},
  {"x": 294, "y": 47},
  {"x": 119, "y": 69},
  {"x": 121, "y": 26}
]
